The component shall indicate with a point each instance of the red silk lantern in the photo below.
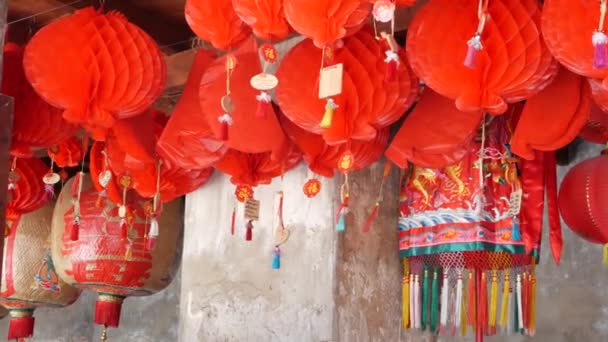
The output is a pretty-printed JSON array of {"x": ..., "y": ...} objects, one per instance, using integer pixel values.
[
  {"x": 573, "y": 32},
  {"x": 435, "y": 134},
  {"x": 187, "y": 140},
  {"x": 561, "y": 121},
  {"x": 265, "y": 17},
  {"x": 36, "y": 124},
  {"x": 324, "y": 159},
  {"x": 98, "y": 67},
  {"x": 326, "y": 21},
  {"x": 29, "y": 279},
  {"x": 107, "y": 262},
  {"x": 480, "y": 70},
  {"x": 254, "y": 169},
  {"x": 216, "y": 21},
  {"x": 248, "y": 133},
  {"x": 68, "y": 153},
  {"x": 582, "y": 198},
  {"x": 367, "y": 103}
]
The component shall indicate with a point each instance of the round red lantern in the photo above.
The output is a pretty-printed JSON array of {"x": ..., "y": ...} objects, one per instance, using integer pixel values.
[
  {"x": 106, "y": 260},
  {"x": 582, "y": 196},
  {"x": 29, "y": 279}
]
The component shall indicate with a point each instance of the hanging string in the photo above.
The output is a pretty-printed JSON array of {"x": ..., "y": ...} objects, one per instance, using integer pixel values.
[{"x": 70, "y": 4}]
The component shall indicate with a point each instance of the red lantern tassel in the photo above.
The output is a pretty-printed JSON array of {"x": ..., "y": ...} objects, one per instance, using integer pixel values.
[
  {"x": 371, "y": 218},
  {"x": 233, "y": 221},
  {"x": 123, "y": 229},
  {"x": 471, "y": 299},
  {"x": 21, "y": 327},
  {"x": 392, "y": 65},
  {"x": 107, "y": 310},
  {"x": 249, "y": 232},
  {"x": 479, "y": 300},
  {"x": 483, "y": 306},
  {"x": 152, "y": 234},
  {"x": 75, "y": 230},
  {"x": 225, "y": 121},
  {"x": 264, "y": 108}
]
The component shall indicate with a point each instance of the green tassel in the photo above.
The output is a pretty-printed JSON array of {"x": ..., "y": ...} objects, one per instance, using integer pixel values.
[
  {"x": 425, "y": 300},
  {"x": 434, "y": 302}
]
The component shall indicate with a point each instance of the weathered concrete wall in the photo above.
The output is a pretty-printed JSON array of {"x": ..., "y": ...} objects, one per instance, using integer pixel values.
[{"x": 229, "y": 291}]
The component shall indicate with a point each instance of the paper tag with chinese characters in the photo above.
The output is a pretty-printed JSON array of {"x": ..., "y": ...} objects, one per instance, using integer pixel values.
[
  {"x": 330, "y": 82},
  {"x": 252, "y": 209},
  {"x": 515, "y": 202}
]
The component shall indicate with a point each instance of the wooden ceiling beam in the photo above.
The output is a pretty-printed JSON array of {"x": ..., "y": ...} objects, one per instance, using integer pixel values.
[{"x": 47, "y": 10}]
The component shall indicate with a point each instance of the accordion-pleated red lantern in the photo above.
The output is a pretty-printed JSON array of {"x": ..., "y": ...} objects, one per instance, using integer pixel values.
[
  {"x": 326, "y": 21},
  {"x": 36, "y": 124},
  {"x": 265, "y": 17},
  {"x": 367, "y": 103},
  {"x": 248, "y": 133},
  {"x": 216, "y": 21},
  {"x": 254, "y": 169},
  {"x": 187, "y": 140},
  {"x": 68, "y": 153},
  {"x": 434, "y": 133},
  {"x": 27, "y": 193},
  {"x": 582, "y": 199},
  {"x": 596, "y": 128},
  {"x": 324, "y": 159},
  {"x": 509, "y": 63},
  {"x": 568, "y": 28},
  {"x": 98, "y": 67},
  {"x": 548, "y": 124},
  {"x": 174, "y": 181}
]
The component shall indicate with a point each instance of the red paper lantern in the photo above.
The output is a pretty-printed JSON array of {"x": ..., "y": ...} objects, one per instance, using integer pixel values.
[
  {"x": 368, "y": 101},
  {"x": 582, "y": 197},
  {"x": 106, "y": 261},
  {"x": 36, "y": 124},
  {"x": 504, "y": 63},
  {"x": 216, "y": 21},
  {"x": 26, "y": 191},
  {"x": 68, "y": 153},
  {"x": 266, "y": 18},
  {"x": 187, "y": 140},
  {"x": 29, "y": 279},
  {"x": 98, "y": 67},
  {"x": 247, "y": 133},
  {"x": 254, "y": 169},
  {"x": 326, "y": 21},
  {"x": 596, "y": 128}
]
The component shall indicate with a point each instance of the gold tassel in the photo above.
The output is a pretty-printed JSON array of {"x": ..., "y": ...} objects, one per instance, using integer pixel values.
[
  {"x": 504, "y": 311},
  {"x": 405, "y": 294},
  {"x": 493, "y": 301},
  {"x": 463, "y": 313},
  {"x": 328, "y": 116},
  {"x": 606, "y": 254}
]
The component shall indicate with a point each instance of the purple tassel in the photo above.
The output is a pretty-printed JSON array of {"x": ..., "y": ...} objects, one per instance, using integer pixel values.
[
  {"x": 474, "y": 44},
  {"x": 600, "y": 58},
  {"x": 50, "y": 190}
]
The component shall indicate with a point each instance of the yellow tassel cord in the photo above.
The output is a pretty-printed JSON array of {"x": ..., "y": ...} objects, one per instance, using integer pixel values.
[
  {"x": 405, "y": 294},
  {"x": 463, "y": 313},
  {"x": 532, "y": 318},
  {"x": 504, "y": 310},
  {"x": 606, "y": 254},
  {"x": 493, "y": 300}
]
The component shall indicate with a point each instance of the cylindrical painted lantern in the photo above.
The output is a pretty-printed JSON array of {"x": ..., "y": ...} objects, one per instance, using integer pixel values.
[
  {"x": 29, "y": 279},
  {"x": 582, "y": 199},
  {"x": 103, "y": 259}
]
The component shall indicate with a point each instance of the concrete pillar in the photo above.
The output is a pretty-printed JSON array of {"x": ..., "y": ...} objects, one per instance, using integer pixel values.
[{"x": 229, "y": 291}]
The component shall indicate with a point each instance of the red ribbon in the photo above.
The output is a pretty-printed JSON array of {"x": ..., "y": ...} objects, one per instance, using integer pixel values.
[
  {"x": 555, "y": 229},
  {"x": 533, "y": 186}
]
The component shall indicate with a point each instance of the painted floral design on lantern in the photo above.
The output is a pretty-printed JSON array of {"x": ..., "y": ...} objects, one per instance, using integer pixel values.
[{"x": 47, "y": 277}]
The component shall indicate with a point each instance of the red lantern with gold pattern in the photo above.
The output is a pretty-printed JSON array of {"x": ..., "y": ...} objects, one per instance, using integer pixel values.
[
  {"x": 113, "y": 264},
  {"x": 29, "y": 279},
  {"x": 582, "y": 198}
]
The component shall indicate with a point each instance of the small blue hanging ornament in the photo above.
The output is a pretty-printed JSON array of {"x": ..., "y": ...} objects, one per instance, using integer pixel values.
[
  {"x": 276, "y": 258},
  {"x": 341, "y": 216}
]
